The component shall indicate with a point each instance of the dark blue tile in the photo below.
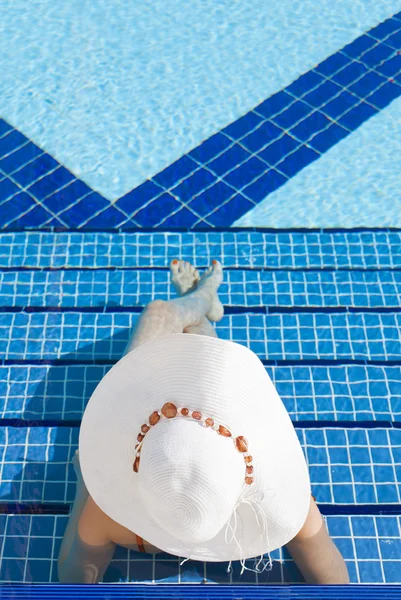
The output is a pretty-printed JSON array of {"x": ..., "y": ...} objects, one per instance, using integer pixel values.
[
  {"x": 210, "y": 148},
  {"x": 42, "y": 526},
  {"x": 394, "y": 41},
  {"x": 358, "y": 46},
  {"x": 19, "y": 525},
  {"x": 312, "y": 124},
  {"x": 386, "y": 94},
  {"x": 154, "y": 212},
  {"x": 37, "y": 217},
  {"x": 48, "y": 184},
  {"x": 263, "y": 135},
  {"x": 12, "y": 570},
  {"x": 367, "y": 84},
  {"x": 7, "y": 189},
  {"x": 194, "y": 184},
  {"x": 377, "y": 55},
  {"x": 304, "y": 83},
  {"x": 38, "y": 571},
  {"x": 184, "y": 218},
  {"x": 340, "y": 105},
  {"x": 179, "y": 170},
  {"x": 211, "y": 198},
  {"x": 322, "y": 94},
  {"x": 274, "y": 104},
  {"x": 109, "y": 218},
  {"x": 39, "y": 167},
  {"x": 390, "y": 67},
  {"x": 332, "y": 64},
  {"x": 244, "y": 174},
  {"x": 16, "y": 160},
  {"x": 82, "y": 211},
  {"x": 40, "y": 547},
  {"x": 4, "y": 127},
  {"x": 62, "y": 199},
  {"x": 12, "y": 209},
  {"x": 141, "y": 195},
  {"x": 293, "y": 114},
  {"x": 242, "y": 126},
  {"x": 277, "y": 150},
  {"x": 231, "y": 158},
  {"x": 297, "y": 161},
  {"x": 328, "y": 138},
  {"x": 265, "y": 185},
  {"x": 384, "y": 29},
  {"x": 397, "y": 16},
  {"x": 11, "y": 142},
  {"x": 350, "y": 73},
  {"x": 230, "y": 212}
]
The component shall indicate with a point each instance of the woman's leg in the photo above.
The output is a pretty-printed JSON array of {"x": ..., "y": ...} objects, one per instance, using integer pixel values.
[{"x": 187, "y": 313}]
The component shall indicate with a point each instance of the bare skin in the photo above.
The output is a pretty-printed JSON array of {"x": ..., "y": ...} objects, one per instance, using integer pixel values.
[{"x": 197, "y": 304}]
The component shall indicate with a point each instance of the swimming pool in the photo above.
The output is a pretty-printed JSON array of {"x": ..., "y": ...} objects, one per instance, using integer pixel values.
[{"x": 122, "y": 147}]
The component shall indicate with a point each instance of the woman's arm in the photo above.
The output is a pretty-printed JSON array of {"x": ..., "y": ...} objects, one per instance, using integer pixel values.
[
  {"x": 81, "y": 496},
  {"x": 315, "y": 553},
  {"x": 86, "y": 549}
]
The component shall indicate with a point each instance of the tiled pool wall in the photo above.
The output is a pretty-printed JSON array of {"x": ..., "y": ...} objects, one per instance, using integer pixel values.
[{"x": 320, "y": 308}]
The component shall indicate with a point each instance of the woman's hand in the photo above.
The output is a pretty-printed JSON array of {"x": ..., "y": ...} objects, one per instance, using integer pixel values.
[{"x": 76, "y": 464}]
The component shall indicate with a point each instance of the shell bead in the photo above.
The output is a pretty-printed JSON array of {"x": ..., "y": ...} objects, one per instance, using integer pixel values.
[
  {"x": 248, "y": 459},
  {"x": 241, "y": 443},
  {"x": 249, "y": 469},
  {"x": 136, "y": 464},
  {"x": 145, "y": 428},
  {"x": 209, "y": 422},
  {"x": 140, "y": 437},
  {"x": 169, "y": 410},
  {"x": 185, "y": 412},
  {"x": 154, "y": 418},
  {"x": 248, "y": 480},
  {"x": 224, "y": 431},
  {"x": 196, "y": 415}
]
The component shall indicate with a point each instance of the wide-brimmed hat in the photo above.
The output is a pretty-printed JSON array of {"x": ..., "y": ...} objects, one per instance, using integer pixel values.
[{"x": 186, "y": 443}]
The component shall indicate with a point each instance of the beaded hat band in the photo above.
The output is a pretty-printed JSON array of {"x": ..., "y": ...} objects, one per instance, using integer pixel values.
[{"x": 170, "y": 410}]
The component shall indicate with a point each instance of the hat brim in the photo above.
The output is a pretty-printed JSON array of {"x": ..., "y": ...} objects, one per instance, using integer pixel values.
[{"x": 228, "y": 382}]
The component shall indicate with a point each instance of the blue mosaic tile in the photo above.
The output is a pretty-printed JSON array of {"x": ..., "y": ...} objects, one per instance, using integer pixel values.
[
  {"x": 394, "y": 41},
  {"x": 7, "y": 189},
  {"x": 193, "y": 185},
  {"x": 390, "y": 67},
  {"x": 4, "y": 128},
  {"x": 279, "y": 149},
  {"x": 50, "y": 183},
  {"x": 78, "y": 213},
  {"x": 386, "y": 94},
  {"x": 329, "y": 137},
  {"x": 357, "y": 115},
  {"x": 35, "y": 169},
  {"x": 209, "y": 200},
  {"x": 231, "y": 158},
  {"x": 228, "y": 211},
  {"x": 367, "y": 84},
  {"x": 16, "y": 160},
  {"x": 339, "y": 105},
  {"x": 161, "y": 207},
  {"x": 210, "y": 148},
  {"x": 139, "y": 197},
  {"x": 292, "y": 115},
  {"x": 264, "y": 185},
  {"x": 260, "y": 137},
  {"x": 350, "y": 73},
  {"x": 61, "y": 200},
  {"x": 323, "y": 94},
  {"x": 332, "y": 65},
  {"x": 383, "y": 30},
  {"x": 11, "y": 141},
  {"x": 306, "y": 82},
  {"x": 274, "y": 104},
  {"x": 243, "y": 125},
  {"x": 245, "y": 173},
  {"x": 296, "y": 161},
  {"x": 178, "y": 170},
  {"x": 359, "y": 46},
  {"x": 377, "y": 55},
  {"x": 110, "y": 217},
  {"x": 316, "y": 122}
]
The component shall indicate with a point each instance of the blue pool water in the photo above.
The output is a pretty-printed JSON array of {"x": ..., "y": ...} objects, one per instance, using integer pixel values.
[{"x": 265, "y": 135}]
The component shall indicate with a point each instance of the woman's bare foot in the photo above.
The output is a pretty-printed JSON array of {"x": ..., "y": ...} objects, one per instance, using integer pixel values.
[
  {"x": 186, "y": 279},
  {"x": 184, "y": 276}
]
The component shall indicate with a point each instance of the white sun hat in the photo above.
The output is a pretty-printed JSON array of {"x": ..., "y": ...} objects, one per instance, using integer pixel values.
[{"x": 218, "y": 474}]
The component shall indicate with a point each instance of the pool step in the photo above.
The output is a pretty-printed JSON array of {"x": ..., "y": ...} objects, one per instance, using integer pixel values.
[
  {"x": 77, "y": 336},
  {"x": 347, "y": 466},
  {"x": 245, "y": 288},
  {"x": 310, "y": 393},
  {"x": 370, "y": 545},
  {"x": 244, "y": 249}
]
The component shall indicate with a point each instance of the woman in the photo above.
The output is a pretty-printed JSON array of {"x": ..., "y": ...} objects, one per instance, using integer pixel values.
[{"x": 186, "y": 488}]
